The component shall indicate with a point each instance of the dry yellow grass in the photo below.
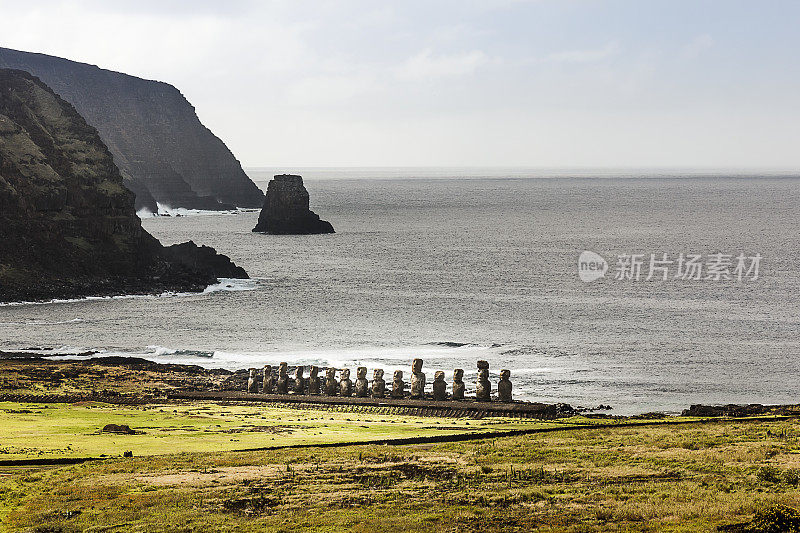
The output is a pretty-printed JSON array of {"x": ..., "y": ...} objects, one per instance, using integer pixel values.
[{"x": 657, "y": 478}]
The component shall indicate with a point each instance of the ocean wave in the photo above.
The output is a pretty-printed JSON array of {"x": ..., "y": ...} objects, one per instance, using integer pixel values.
[
  {"x": 42, "y": 322},
  {"x": 388, "y": 358},
  {"x": 232, "y": 285},
  {"x": 165, "y": 210},
  {"x": 161, "y": 351},
  {"x": 222, "y": 285}
]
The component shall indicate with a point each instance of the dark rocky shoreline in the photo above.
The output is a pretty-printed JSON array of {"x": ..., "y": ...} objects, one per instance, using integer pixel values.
[{"x": 68, "y": 227}]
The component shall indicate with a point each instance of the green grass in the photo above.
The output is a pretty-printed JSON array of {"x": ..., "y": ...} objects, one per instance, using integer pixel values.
[
  {"x": 35, "y": 431},
  {"x": 691, "y": 477}
]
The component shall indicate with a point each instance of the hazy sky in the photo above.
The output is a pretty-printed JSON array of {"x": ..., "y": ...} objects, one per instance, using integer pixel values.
[{"x": 457, "y": 82}]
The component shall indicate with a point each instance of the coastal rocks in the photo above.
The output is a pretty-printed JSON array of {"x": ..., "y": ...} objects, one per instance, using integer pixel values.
[
  {"x": 68, "y": 227},
  {"x": 417, "y": 380},
  {"x": 732, "y": 410},
  {"x": 282, "y": 385},
  {"x": 313, "y": 381},
  {"x": 458, "y": 384},
  {"x": 331, "y": 385},
  {"x": 164, "y": 153},
  {"x": 504, "y": 387},
  {"x": 483, "y": 387},
  {"x": 398, "y": 385},
  {"x": 268, "y": 385},
  {"x": 204, "y": 259},
  {"x": 378, "y": 384},
  {"x": 362, "y": 385},
  {"x": 252, "y": 382},
  {"x": 346, "y": 385},
  {"x": 286, "y": 209},
  {"x": 439, "y": 387}
]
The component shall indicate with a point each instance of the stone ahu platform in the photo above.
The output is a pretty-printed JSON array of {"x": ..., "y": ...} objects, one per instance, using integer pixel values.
[{"x": 344, "y": 394}]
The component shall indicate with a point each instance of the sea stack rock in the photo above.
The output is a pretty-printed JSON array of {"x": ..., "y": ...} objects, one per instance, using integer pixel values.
[{"x": 286, "y": 211}]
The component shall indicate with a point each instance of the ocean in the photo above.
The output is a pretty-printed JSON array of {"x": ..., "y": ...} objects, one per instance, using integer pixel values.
[{"x": 457, "y": 265}]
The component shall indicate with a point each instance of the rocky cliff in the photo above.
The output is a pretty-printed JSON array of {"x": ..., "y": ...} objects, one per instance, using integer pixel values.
[
  {"x": 68, "y": 227},
  {"x": 286, "y": 210},
  {"x": 163, "y": 151}
]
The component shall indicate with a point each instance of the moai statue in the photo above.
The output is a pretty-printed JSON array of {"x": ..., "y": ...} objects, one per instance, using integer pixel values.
[
  {"x": 252, "y": 382},
  {"x": 398, "y": 385},
  {"x": 439, "y": 387},
  {"x": 362, "y": 385},
  {"x": 282, "y": 386},
  {"x": 504, "y": 386},
  {"x": 417, "y": 380},
  {"x": 458, "y": 384},
  {"x": 268, "y": 386},
  {"x": 378, "y": 385},
  {"x": 331, "y": 385},
  {"x": 299, "y": 381},
  {"x": 345, "y": 385},
  {"x": 313, "y": 380},
  {"x": 483, "y": 392}
]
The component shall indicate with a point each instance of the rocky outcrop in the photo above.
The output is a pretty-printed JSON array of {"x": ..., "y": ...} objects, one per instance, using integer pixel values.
[
  {"x": 68, "y": 227},
  {"x": 162, "y": 150},
  {"x": 286, "y": 210},
  {"x": 204, "y": 259}
]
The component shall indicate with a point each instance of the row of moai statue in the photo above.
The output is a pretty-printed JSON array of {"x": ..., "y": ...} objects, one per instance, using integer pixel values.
[{"x": 330, "y": 386}]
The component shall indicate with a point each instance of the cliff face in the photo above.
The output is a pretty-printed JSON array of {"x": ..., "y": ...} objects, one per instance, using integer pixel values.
[
  {"x": 163, "y": 151},
  {"x": 68, "y": 226},
  {"x": 286, "y": 210}
]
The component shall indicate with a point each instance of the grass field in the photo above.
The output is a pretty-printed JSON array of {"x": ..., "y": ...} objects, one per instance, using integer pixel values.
[
  {"x": 688, "y": 477},
  {"x": 42, "y": 431}
]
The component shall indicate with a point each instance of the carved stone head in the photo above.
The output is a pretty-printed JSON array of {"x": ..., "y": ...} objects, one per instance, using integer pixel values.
[
  {"x": 313, "y": 371},
  {"x": 330, "y": 373},
  {"x": 438, "y": 376},
  {"x": 252, "y": 372},
  {"x": 377, "y": 374},
  {"x": 398, "y": 375},
  {"x": 416, "y": 366},
  {"x": 505, "y": 374},
  {"x": 345, "y": 374},
  {"x": 361, "y": 372},
  {"x": 282, "y": 369},
  {"x": 483, "y": 374},
  {"x": 267, "y": 370},
  {"x": 298, "y": 372},
  {"x": 458, "y": 375}
]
